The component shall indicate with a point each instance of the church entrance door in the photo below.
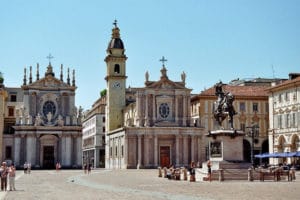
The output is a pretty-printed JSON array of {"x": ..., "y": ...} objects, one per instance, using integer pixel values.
[
  {"x": 164, "y": 156},
  {"x": 48, "y": 157}
]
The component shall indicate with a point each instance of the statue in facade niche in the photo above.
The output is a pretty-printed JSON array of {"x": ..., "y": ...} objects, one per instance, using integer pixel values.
[
  {"x": 49, "y": 117},
  {"x": 38, "y": 120},
  {"x": 60, "y": 121},
  {"x": 223, "y": 107}
]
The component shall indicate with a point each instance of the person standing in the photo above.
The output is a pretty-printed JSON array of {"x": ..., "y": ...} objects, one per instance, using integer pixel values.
[
  {"x": 4, "y": 173},
  {"x": 209, "y": 169},
  {"x": 25, "y": 168},
  {"x": 12, "y": 176}
]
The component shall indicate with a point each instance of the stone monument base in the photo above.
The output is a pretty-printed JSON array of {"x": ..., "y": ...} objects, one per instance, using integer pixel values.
[{"x": 225, "y": 152}]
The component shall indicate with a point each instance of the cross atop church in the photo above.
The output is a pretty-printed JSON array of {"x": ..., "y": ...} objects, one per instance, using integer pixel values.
[
  {"x": 163, "y": 60},
  {"x": 49, "y": 57},
  {"x": 115, "y": 23}
]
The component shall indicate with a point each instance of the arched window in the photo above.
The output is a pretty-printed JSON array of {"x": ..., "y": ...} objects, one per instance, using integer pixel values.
[{"x": 117, "y": 68}]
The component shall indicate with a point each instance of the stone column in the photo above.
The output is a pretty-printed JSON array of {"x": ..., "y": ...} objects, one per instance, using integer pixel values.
[
  {"x": 63, "y": 151},
  {"x": 17, "y": 148},
  {"x": 189, "y": 111},
  {"x": 31, "y": 149},
  {"x": 177, "y": 150},
  {"x": 185, "y": 150},
  {"x": 68, "y": 152},
  {"x": 78, "y": 152},
  {"x": 126, "y": 152},
  {"x": 184, "y": 111},
  {"x": 146, "y": 150},
  {"x": 146, "y": 111},
  {"x": 199, "y": 147},
  {"x": 154, "y": 109},
  {"x": 193, "y": 148},
  {"x": 176, "y": 109},
  {"x": 38, "y": 150},
  {"x": 155, "y": 151},
  {"x": 139, "y": 151},
  {"x": 22, "y": 150}
]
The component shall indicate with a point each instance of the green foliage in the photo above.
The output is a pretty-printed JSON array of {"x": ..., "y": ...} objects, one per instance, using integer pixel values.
[
  {"x": 103, "y": 93},
  {"x": 1, "y": 77}
]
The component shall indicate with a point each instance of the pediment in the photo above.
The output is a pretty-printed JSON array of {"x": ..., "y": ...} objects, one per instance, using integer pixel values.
[
  {"x": 165, "y": 84},
  {"x": 48, "y": 82}
]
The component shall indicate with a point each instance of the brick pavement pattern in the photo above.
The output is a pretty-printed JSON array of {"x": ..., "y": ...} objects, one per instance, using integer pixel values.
[{"x": 141, "y": 185}]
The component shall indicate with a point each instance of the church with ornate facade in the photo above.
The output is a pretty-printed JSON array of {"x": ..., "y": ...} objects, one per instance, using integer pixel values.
[
  {"x": 42, "y": 125},
  {"x": 148, "y": 126}
]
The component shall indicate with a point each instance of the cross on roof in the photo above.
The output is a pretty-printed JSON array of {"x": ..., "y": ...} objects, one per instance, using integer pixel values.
[
  {"x": 163, "y": 60},
  {"x": 115, "y": 23},
  {"x": 49, "y": 57}
]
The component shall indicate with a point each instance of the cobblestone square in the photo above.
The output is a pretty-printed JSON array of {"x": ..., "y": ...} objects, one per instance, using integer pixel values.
[{"x": 142, "y": 185}]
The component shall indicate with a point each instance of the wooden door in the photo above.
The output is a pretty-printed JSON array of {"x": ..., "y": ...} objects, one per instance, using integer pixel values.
[
  {"x": 165, "y": 156},
  {"x": 48, "y": 157}
]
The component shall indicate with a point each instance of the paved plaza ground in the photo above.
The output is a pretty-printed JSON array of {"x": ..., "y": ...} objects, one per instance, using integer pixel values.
[{"x": 141, "y": 185}]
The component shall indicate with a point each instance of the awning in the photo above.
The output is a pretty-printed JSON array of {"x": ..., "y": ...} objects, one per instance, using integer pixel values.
[{"x": 278, "y": 155}]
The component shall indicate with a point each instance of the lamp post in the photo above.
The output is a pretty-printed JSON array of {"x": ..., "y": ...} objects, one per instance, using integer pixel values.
[{"x": 253, "y": 133}]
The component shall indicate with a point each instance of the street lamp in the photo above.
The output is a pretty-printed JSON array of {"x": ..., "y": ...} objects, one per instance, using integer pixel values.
[{"x": 253, "y": 133}]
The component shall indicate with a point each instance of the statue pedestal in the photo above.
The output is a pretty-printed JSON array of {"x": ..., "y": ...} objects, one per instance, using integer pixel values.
[
  {"x": 225, "y": 151},
  {"x": 226, "y": 145}
]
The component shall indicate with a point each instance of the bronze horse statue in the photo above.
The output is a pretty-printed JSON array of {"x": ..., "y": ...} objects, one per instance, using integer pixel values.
[{"x": 223, "y": 107}]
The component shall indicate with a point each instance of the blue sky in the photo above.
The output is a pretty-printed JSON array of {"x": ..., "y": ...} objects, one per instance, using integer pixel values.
[{"x": 209, "y": 40}]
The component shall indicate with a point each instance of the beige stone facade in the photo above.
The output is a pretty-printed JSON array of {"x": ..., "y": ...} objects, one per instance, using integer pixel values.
[
  {"x": 42, "y": 123},
  {"x": 148, "y": 126},
  {"x": 284, "y": 132}
]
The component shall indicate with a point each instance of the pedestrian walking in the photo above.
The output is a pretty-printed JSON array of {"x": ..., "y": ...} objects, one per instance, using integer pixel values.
[
  {"x": 4, "y": 173},
  {"x": 89, "y": 168},
  {"x": 12, "y": 176}
]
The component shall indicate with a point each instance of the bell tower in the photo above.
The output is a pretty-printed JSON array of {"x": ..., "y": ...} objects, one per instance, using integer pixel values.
[{"x": 115, "y": 80}]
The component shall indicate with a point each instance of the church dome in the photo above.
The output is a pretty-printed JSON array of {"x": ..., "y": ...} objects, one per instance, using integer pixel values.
[{"x": 116, "y": 43}]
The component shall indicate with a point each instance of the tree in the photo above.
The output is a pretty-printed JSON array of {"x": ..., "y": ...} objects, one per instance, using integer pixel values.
[{"x": 103, "y": 93}]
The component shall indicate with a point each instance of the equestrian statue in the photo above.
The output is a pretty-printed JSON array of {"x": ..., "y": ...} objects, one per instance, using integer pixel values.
[{"x": 223, "y": 107}]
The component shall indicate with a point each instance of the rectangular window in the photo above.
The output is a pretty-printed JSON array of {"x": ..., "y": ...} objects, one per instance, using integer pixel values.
[
  {"x": 293, "y": 121},
  {"x": 103, "y": 119},
  {"x": 13, "y": 98},
  {"x": 103, "y": 129},
  {"x": 242, "y": 107},
  {"x": 122, "y": 150},
  {"x": 116, "y": 153},
  {"x": 110, "y": 151},
  {"x": 280, "y": 98},
  {"x": 287, "y": 96},
  {"x": 294, "y": 96},
  {"x": 255, "y": 107},
  {"x": 11, "y": 111},
  {"x": 8, "y": 152},
  {"x": 280, "y": 121},
  {"x": 287, "y": 120}
]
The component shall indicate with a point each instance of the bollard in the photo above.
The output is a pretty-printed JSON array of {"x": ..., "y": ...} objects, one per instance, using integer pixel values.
[
  {"x": 159, "y": 172},
  {"x": 184, "y": 174},
  {"x": 221, "y": 175},
  {"x": 250, "y": 174},
  {"x": 165, "y": 172}
]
